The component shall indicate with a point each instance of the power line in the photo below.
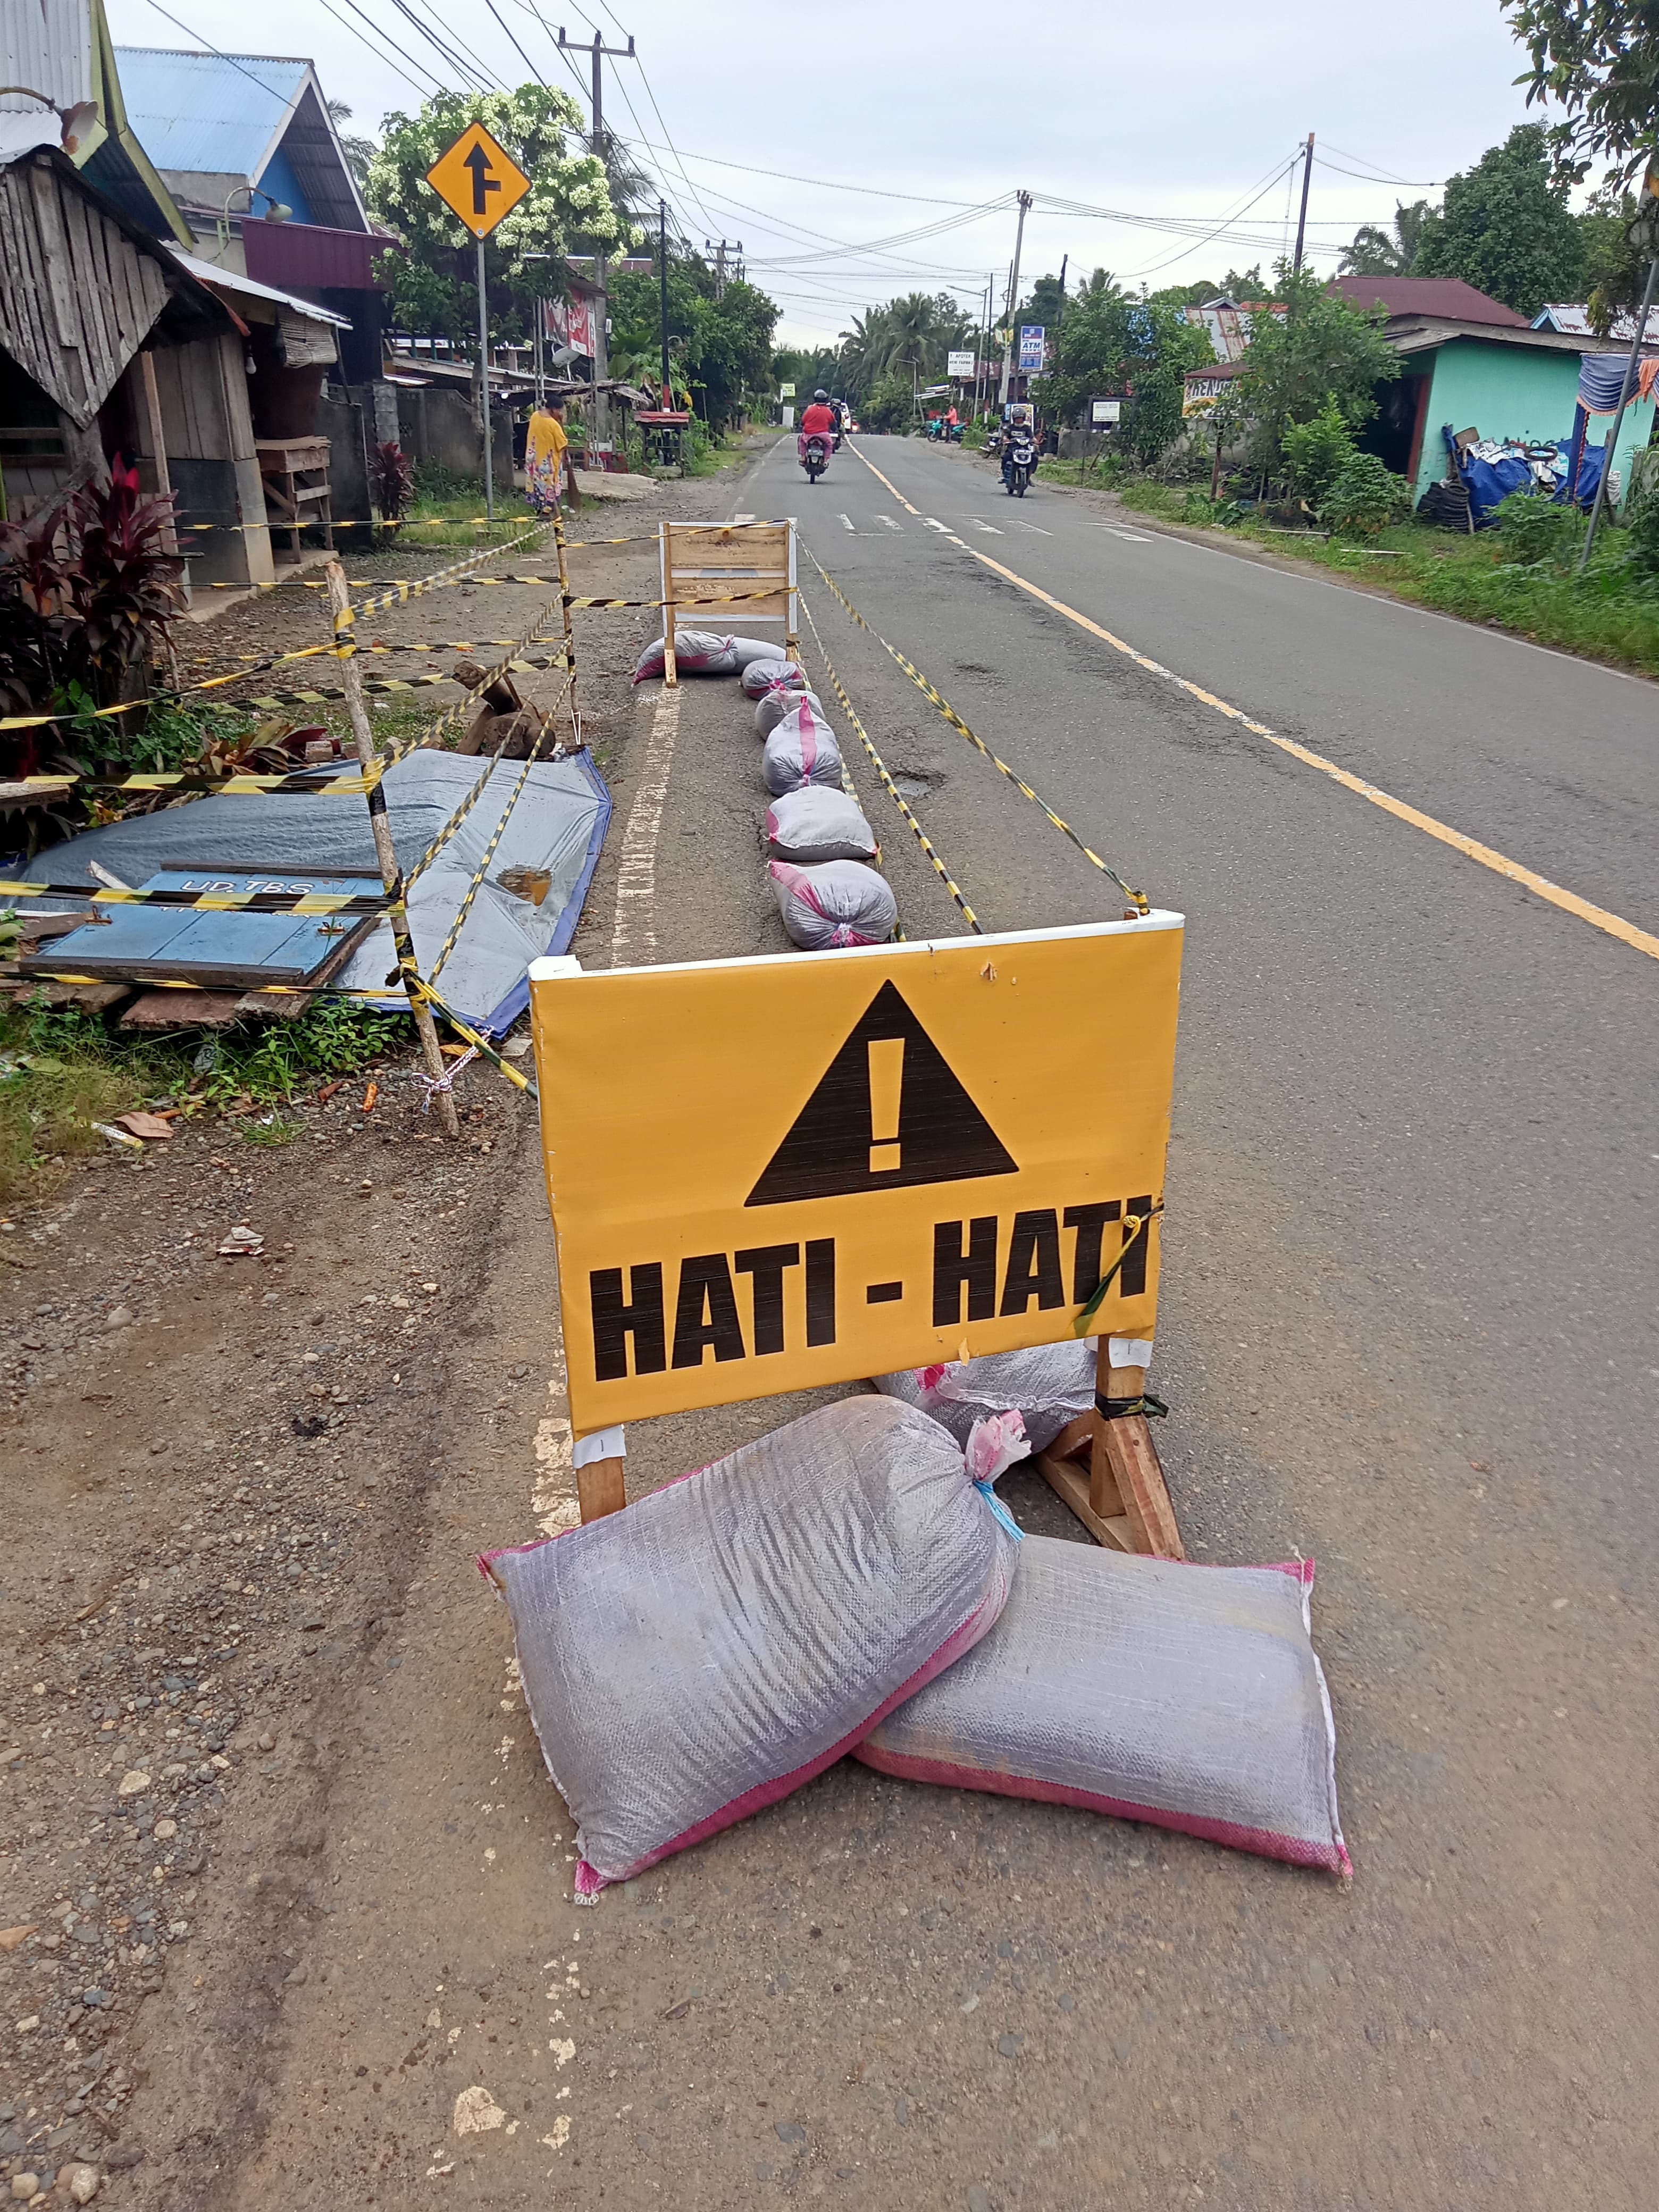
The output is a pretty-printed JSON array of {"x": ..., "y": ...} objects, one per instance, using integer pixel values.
[
  {"x": 1377, "y": 175},
  {"x": 446, "y": 54},
  {"x": 523, "y": 57},
  {"x": 824, "y": 184},
  {"x": 1153, "y": 267},
  {"x": 218, "y": 52},
  {"x": 386, "y": 57}
]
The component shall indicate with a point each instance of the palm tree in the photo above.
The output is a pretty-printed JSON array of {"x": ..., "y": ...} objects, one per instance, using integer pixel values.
[
  {"x": 1376, "y": 252},
  {"x": 359, "y": 152}
]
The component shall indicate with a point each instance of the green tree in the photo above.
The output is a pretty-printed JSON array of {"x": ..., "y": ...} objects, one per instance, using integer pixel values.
[
  {"x": 1392, "y": 252},
  {"x": 1597, "y": 62},
  {"x": 1506, "y": 228},
  {"x": 719, "y": 348},
  {"x": 1321, "y": 354},
  {"x": 430, "y": 273},
  {"x": 888, "y": 403},
  {"x": 1110, "y": 343},
  {"x": 359, "y": 152}
]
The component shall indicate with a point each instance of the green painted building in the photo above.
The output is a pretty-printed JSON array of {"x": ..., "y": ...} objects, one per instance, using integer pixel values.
[{"x": 1468, "y": 362}]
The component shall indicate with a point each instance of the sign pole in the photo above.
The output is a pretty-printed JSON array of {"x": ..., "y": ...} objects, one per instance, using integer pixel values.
[{"x": 484, "y": 387}]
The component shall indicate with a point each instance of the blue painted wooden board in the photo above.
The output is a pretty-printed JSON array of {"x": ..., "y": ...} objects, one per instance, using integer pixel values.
[{"x": 250, "y": 948}]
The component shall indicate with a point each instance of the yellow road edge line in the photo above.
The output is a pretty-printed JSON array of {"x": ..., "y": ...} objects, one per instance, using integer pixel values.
[{"x": 1599, "y": 917}]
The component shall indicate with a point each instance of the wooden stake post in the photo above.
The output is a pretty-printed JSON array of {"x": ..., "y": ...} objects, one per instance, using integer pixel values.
[
  {"x": 386, "y": 852},
  {"x": 703, "y": 561}
]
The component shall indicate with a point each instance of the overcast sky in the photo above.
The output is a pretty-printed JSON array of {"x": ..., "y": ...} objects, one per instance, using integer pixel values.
[{"x": 1182, "y": 114}]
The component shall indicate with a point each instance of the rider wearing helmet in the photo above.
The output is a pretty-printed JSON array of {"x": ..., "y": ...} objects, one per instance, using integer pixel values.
[{"x": 819, "y": 416}]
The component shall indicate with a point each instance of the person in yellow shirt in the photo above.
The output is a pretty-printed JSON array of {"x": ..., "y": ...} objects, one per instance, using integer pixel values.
[{"x": 544, "y": 447}]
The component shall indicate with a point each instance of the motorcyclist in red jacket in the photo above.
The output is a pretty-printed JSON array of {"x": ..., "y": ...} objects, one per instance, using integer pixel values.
[{"x": 817, "y": 419}]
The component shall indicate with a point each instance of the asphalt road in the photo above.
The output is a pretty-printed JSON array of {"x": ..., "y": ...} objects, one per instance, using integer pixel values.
[
  {"x": 1406, "y": 1329},
  {"x": 1408, "y": 1312}
]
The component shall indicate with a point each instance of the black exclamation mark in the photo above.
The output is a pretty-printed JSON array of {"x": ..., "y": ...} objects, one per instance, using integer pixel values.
[{"x": 886, "y": 1092}]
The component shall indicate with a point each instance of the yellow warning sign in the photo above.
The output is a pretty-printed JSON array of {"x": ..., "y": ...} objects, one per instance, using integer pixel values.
[
  {"x": 478, "y": 180},
  {"x": 771, "y": 1174}
]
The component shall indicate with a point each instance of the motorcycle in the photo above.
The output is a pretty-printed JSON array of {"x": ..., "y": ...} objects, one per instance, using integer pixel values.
[
  {"x": 815, "y": 454},
  {"x": 1020, "y": 465}
]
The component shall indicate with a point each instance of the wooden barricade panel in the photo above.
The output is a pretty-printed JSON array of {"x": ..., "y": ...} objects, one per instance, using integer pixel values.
[{"x": 704, "y": 561}]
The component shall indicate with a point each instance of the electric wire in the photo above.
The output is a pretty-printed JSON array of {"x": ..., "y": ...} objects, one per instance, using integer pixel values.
[
  {"x": 362, "y": 36},
  {"x": 219, "y": 54},
  {"x": 451, "y": 59}
]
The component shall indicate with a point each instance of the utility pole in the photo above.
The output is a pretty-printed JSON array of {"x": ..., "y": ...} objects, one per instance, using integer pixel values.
[
  {"x": 719, "y": 253},
  {"x": 1301, "y": 220},
  {"x": 1013, "y": 299},
  {"x": 601, "y": 345},
  {"x": 662, "y": 268}
]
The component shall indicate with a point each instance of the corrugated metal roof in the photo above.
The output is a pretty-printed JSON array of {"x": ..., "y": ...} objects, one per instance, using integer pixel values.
[
  {"x": 215, "y": 113},
  {"x": 228, "y": 280},
  {"x": 49, "y": 49}
]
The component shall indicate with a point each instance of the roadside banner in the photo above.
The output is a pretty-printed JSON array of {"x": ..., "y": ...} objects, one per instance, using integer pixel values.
[
  {"x": 770, "y": 1175},
  {"x": 959, "y": 364}
]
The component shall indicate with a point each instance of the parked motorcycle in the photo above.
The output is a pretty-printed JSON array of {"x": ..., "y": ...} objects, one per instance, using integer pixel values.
[
  {"x": 815, "y": 454},
  {"x": 1019, "y": 463}
]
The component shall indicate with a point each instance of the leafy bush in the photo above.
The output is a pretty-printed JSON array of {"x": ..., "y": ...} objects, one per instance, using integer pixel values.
[
  {"x": 1534, "y": 527},
  {"x": 1364, "y": 498},
  {"x": 394, "y": 479},
  {"x": 88, "y": 596},
  {"x": 1643, "y": 530},
  {"x": 1315, "y": 453}
]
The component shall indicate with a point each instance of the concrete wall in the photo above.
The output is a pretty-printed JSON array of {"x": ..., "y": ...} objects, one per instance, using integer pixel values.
[
  {"x": 440, "y": 426},
  {"x": 1514, "y": 392},
  {"x": 346, "y": 423}
]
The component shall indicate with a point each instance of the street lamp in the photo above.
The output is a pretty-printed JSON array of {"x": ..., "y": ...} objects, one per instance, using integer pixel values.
[{"x": 279, "y": 211}]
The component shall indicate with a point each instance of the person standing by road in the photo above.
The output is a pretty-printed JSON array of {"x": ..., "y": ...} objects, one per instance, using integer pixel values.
[{"x": 545, "y": 447}]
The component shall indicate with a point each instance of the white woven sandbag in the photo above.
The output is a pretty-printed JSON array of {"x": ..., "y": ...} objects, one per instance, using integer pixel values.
[
  {"x": 816, "y": 824},
  {"x": 801, "y": 750},
  {"x": 840, "y": 902},
  {"x": 1049, "y": 1384},
  {"x": 711, "y": 1648},
  {"x": 1153, "y": 1689},
  {"x": 696, "y": 653},
  {"x": 772, "y": 706},
  {"x": 775, "y": 674},
  {"x": 746, "y": 649}
]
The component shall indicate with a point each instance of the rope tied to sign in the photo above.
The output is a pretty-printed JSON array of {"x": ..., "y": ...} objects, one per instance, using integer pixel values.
[
  {"x": 1120, "y": 1409},
  {"x": 1137, "y": 1229},
  {"x": 1141, "y": 904}
]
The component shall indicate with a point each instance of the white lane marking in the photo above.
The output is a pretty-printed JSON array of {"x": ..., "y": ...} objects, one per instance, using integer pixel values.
[
  {"x": 634, "y": 936},
  {"x": 932, "y": 525},
  {"x": 847, "y": 523},
  {"x": 980, "y": 522},
  {"x": 1031, "y": 526},
  {"x": 890, "y": 522},
  {"x": 553, "y": 1496},
  {"x": 1130, "y": 537},
  {"x": 743, "y": 518}
]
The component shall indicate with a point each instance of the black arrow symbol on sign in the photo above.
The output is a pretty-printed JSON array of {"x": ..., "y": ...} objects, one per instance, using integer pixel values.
[{"x": 483, "y": 183}]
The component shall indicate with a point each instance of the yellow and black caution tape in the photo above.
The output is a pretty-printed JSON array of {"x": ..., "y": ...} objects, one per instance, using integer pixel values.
[
  {"x": 399, "y": 593},
  {"x": 482, "y": 868},
  {"x": 208, "y": 901},
  {"x": 1143, "y": 905},
  {"x": 890, "y": 787},
  {"x": 471, "y": 800}
]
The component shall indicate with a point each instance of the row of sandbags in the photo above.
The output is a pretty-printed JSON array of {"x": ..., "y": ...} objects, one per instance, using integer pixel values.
[
  {"x": 823, "y": 855},
  {"x": 850, "y": 1584}
]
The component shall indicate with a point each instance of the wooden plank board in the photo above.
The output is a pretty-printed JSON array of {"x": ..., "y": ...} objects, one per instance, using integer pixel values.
[
  {"x": 599, "y": 1488},
  {"x": 1125, "y": 1452},
  {"x": 1070, "y": 1483}
]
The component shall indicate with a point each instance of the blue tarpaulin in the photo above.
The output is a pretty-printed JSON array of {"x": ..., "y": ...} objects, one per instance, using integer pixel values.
[{"x": 1490, "y": 482}]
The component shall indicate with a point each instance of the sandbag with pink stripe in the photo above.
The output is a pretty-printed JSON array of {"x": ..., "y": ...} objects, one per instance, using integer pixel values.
[
  {"x": 840, "y": 902},
  {"x": 714, "y": 1646},
  {"x": 802, "y": 750},
  {"x": 1188, "y": 1696}
]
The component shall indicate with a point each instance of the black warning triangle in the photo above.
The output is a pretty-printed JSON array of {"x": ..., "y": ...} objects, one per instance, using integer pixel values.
[{"x": 931, "y": 1130}]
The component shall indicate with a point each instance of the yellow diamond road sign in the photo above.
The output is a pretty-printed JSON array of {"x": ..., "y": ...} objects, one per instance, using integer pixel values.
[
  {"x": 478, "y": 180},
  {"x": 770, "y": 1175}
]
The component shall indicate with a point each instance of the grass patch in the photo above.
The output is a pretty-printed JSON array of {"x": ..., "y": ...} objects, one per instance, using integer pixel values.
[
  {"x": 61, "y": 1072},
  {"x": 455, "y": 505},
  {"x": 1609, "y": 614}
]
